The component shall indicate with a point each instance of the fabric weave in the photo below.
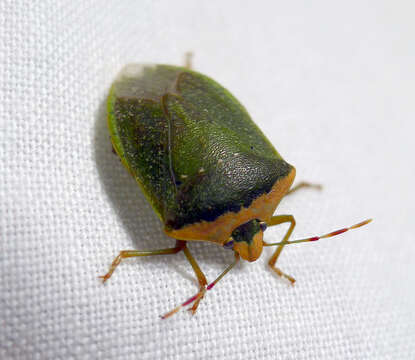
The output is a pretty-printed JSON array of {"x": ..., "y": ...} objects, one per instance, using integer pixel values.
[{"x": 330, "y": 83}]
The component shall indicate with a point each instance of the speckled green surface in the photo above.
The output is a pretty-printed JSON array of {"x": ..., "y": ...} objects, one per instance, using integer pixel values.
[{"x": 189, "y": 143}]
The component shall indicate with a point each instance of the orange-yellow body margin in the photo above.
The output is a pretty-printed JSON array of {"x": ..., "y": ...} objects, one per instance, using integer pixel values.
[{"x": 219, "y": 230}]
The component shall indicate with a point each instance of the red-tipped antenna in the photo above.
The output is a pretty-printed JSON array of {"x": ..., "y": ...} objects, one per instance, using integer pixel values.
[
  {"x": 315, "y": 238},
  {"x": 187, "y": 302},
  {"x": 202, "y": 292},
  {"x": 194, "y": 297}
]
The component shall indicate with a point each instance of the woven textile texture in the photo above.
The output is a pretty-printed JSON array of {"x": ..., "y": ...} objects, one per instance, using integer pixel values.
[{"x": 332, "y": 86}]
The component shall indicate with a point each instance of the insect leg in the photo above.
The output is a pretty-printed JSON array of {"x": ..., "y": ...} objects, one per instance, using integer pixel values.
[
  {"x": 200, "y": 294},
  {"x": 304, "y": 184},
  {"x": 188, "y": 60},
  {"x": 276, "y": 220},
  {"x": 200, "y": 277},
  {"x": 134, "y": 253}
]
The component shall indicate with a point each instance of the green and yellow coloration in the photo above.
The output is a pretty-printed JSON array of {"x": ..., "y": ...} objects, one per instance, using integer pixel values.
[{"x": 208, "y": 171}]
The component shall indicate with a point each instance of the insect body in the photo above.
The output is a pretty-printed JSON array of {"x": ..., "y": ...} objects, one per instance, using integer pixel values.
[{"x": 208, "y": 171}]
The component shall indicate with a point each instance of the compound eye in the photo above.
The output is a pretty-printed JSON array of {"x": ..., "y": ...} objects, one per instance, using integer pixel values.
[
  {"x": 263, "y": 225},
  {"x": 228, "y": 244}
]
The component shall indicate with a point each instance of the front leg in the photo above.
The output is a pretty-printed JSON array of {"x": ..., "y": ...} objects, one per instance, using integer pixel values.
[{"x": 276, "y": 220}]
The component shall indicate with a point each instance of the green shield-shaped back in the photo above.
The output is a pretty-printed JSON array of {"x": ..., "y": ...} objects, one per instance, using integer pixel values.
[{"x": 189, "y": 143}]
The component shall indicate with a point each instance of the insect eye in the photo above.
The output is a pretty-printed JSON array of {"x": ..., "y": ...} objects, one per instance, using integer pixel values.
[
  {"x": 263, "y": 225},
  {"x": 228, "y": 244}
]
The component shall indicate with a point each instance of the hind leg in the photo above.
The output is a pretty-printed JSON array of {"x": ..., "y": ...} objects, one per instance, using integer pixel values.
[{"x": 302, "y": 185}]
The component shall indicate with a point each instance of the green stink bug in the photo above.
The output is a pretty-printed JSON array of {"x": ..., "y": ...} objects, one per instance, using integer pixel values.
[{"x": 208, "y": 171}]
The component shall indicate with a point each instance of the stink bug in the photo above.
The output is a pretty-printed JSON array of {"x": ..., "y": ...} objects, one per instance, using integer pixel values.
[{"x": 208, "y": 171}]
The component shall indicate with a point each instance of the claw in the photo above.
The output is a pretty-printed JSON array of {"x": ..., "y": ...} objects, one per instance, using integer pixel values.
[{"x": 104, "y": 277}]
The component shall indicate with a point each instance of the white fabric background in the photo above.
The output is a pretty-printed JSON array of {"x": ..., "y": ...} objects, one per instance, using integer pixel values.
[{"x": 330, "y": 83}]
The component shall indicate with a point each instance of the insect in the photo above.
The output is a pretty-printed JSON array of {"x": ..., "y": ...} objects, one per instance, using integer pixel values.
[{"x": 208, "y": 171}]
